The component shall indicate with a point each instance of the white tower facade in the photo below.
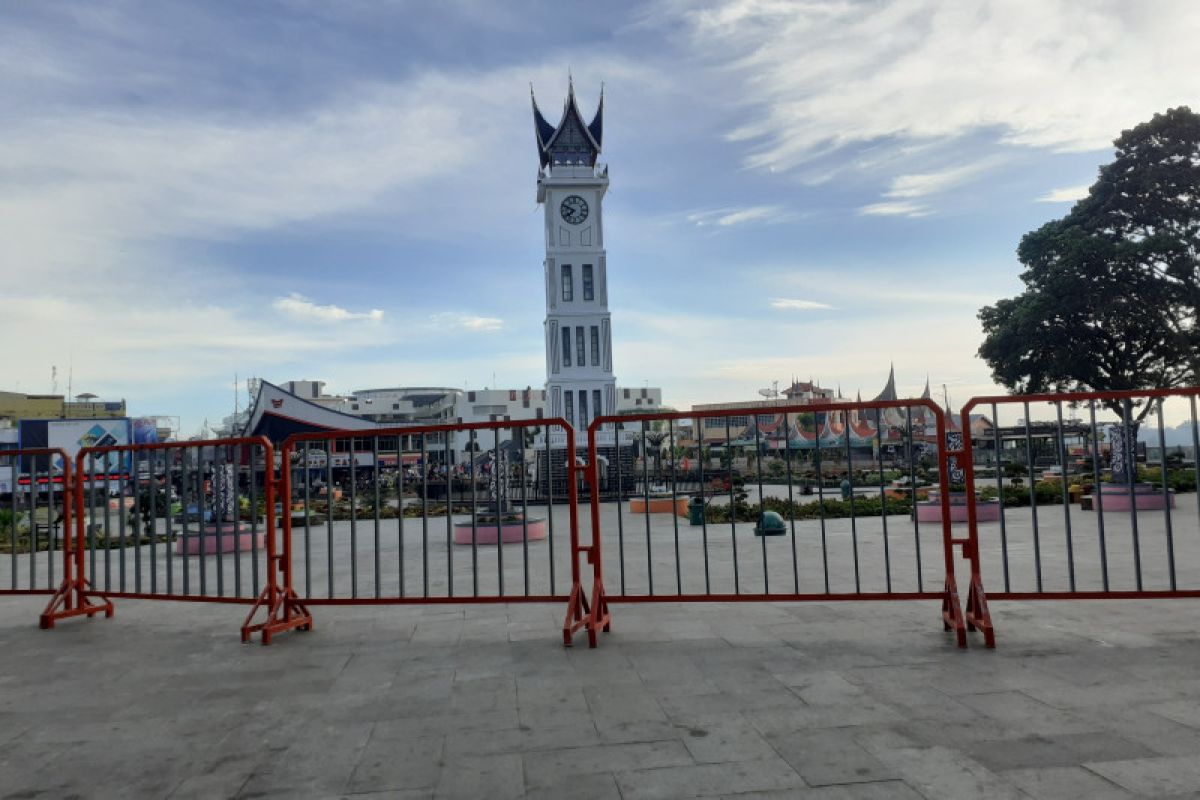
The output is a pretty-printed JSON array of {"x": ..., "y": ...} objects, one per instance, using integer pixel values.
[{"x": 580, "y": 385}]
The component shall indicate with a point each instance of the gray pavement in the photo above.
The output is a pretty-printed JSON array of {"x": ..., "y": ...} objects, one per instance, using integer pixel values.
[{"x": 805, "y": 700}]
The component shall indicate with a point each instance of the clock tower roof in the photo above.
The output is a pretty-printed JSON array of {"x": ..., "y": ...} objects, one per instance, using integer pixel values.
[{"x": 572, "y": 141}]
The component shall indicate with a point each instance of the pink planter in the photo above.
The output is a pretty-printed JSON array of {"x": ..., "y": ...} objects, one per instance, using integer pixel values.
[
  {"x": 507, "y": 533},
  {"x": 1115, "y": 497},
  {"x": 220, "y": 539},
  {"x": 931, "y": 510}
]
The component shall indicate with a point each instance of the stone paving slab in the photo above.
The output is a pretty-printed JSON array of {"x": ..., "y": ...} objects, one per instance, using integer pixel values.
[{"x": 814, "y": 701}]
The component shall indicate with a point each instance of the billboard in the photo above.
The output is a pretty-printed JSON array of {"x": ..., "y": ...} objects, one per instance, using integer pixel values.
[
  {"x": 72, "y": 435},
  {"x": 145, "y": 430}
]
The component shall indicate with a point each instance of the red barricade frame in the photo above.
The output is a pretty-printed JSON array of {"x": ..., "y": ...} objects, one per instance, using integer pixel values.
[
  {"x": 286, "y": 610},
  {"x": 600, "y": 617},
  {"x": 978, "y": 614}
]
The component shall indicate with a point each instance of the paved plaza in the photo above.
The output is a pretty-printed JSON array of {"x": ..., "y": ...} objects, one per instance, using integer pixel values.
[
  {"x": 850, "y": 700},
  {"x": 1088, "y": 699}
]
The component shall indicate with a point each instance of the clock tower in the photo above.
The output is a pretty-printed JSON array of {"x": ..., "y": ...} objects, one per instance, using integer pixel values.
[{"x": 570, "y": 186}]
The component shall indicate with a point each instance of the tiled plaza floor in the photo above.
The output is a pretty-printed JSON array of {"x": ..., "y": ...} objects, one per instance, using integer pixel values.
[{"x": 851, "y": 700}]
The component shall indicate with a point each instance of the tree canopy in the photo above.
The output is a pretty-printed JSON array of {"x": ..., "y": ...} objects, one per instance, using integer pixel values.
[{"x": 1113, "y": 288}]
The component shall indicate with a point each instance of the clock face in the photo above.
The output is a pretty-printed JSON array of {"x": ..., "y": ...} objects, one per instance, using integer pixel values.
[{"x": 574, "y": 209}]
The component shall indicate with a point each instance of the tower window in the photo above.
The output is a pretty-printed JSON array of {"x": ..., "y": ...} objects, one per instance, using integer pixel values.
[
  {"x": 568, "y": 288},
  {"x": 580, "y": 345},
  {"x": 597, "y": 408},
  {"x": 566, "y": 341},
  {"x": 595, "y": 346},
  {"x": 583, "y": 408},
  {"x": 588, "y": 291},
  {"x": 626, "y": 393},
  {"x": 569, "y": 407}
]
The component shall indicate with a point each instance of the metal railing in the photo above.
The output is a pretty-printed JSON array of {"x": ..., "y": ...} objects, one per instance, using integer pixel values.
[
  {"x": 34, "y": 521},
  {"x": 1078, "y": 511},
  {"x": 841, "y": 478},
  {"x": 822, "y": 502},
  {"x": 499, "y": 525}
]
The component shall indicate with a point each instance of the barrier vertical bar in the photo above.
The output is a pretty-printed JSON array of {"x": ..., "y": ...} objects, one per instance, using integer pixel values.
[
  {"x": 912, "y": 488},
  {"x": 1033, "y": 507},
  {"x": 1000, "y": 492},
  {"x": 400, "y": 511},
  {"x": 787, "y": 455},
  {"x": 621, "y": 505},
  {"x": 353, "y": 517},
  {"x": 597, "y": 618},
  {"x": 646, "y": 510},
  {"x": 883, "y": 515},
  {"x": 737, "y": 587},
  {"x": 853, "y": 518},
  {"x": 1097, "y": 497},
  {"x": 977, "y": 615},
  {"x": 952, "y": 615},
  {"x": 1066, "y": 497},
  {"x": 1166, "y": 495},
  {"x": 1129, "y": 443},
  {"x": 674, "y": 507},
  {"x": 375, "y": 459},
  {"x": 761, "y": 505},
  {"x": 700, "y": 458},
  {"x": 821, "y": 497},
  {"x": 284, "y": 609},
  {"x": 72, "y": 598}
]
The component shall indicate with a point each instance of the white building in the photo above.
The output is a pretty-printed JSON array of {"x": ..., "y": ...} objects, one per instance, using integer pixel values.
[{"x": 578, "y": 327}]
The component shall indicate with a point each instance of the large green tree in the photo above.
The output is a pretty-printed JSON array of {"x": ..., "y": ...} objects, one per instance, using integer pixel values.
[{"x": 1113, "y": 288}]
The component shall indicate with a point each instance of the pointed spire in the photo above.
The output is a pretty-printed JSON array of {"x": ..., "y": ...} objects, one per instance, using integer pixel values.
[
  {"x": 542, "y": 130},
  {"x": 580, "y": 144},
  {"x": 925, "y": 395},
  {"x": 596, "y": 126},
  {"x": 889, "y": 389}
]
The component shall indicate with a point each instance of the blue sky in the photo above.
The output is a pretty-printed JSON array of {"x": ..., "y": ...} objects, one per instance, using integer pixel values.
[{"x": 345, "y": 191}]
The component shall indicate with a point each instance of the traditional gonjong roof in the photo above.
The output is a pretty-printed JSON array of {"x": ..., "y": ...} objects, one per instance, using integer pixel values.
[
  {"x": 572, "y": 140},
  {"x": 889, "y": 391}
]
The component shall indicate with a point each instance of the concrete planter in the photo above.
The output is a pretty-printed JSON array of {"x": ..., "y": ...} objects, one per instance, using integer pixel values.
[
  {"x": 931, "y": 510},
  {"x": 506, "y": 532},
  {"x": 659, "y": 505}
]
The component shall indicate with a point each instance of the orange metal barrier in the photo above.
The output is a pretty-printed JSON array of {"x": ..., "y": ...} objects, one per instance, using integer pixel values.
[
  {"x": 824, "y": 552},
  {"x": 846, "y": 427},
  {"x": 372, "y": 561},
  {"x": 1065, "y": 562},
  {"x": 49, "y": 478}
]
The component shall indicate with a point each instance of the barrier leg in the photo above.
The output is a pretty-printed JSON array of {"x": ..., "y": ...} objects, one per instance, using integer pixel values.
[
  {"x": 578, "y": 615},
  {"x": 73, "y": 600},
  {"x": 978, "y": 616},
  {"x": 952, "y": 613},
  {"x": 284, "y": 610}
]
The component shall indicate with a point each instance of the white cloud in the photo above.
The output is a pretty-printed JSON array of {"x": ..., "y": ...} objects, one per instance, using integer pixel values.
[
  {"x": 466, "y": 322},
  {"x": 896, "y": 209},
  {"x": 1037, "y": 73},
  {"x": 920, "y": 185},
  {"x": 728, "y": 217},
  {"x": 1067, "y": 194},
  {"x": 791, "y": 304},
  {"x": 300, "y": 307}
]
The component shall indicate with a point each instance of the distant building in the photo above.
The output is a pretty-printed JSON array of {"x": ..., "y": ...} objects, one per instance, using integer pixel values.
[
  {"x": 16, "y": 406},
  {"x": 277, "y": 413}
]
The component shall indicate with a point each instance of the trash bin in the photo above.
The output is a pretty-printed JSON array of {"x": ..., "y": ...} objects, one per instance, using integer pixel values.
[
  {"x": 770, "y": 524},
  {"x": 696, "y": 510}
]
